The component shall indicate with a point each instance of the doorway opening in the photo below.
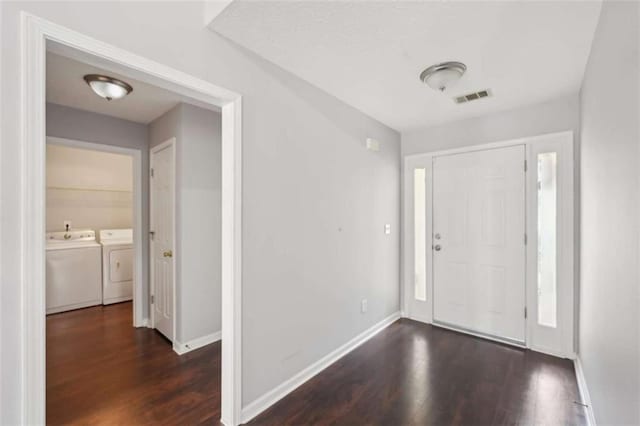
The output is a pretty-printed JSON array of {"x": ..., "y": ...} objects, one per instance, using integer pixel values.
[
  {"x": 42, "y": 39},
  {"x": 96, "y": 189},
  {"x": 488, "y": 241}
]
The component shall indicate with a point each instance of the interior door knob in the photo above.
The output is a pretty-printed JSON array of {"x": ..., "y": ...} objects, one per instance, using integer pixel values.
[{"x": 437, "y": 247}]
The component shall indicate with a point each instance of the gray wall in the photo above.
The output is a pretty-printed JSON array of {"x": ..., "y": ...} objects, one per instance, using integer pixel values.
[
  {"x": 314, "y": 200},
  {"x": 76, "y": 124},
  {"x": 549, "y": 117},
  {"x": 71, "y": 123},
  {"x": 198, "y": 134},
  {"x": 610, "y": 290}
]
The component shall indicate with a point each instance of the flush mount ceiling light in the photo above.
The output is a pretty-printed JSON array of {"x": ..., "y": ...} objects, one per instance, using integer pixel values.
[
  {"x": 108, "y": 87},
  {"x": 442, "y": 76}
]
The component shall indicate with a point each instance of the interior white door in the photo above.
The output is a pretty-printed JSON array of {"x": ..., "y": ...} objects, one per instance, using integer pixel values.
[
  {"x": 479, "y": 242},
  {"x": 162, "y": 238}
]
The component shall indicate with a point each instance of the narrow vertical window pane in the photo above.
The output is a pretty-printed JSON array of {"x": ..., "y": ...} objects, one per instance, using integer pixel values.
[
  {"x": 547, "y": 238},
  {"x": 419, "y": 236}
]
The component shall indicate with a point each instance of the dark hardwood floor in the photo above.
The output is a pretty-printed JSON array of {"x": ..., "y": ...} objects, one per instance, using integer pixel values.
[
  {"x": 102, "y": 371},
  {"x": 416, "y": 374}
]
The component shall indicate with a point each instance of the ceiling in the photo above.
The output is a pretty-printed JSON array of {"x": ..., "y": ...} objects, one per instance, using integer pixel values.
[
  {"x": 65, "y": 86},
  {"x": 370, "y": 54}
]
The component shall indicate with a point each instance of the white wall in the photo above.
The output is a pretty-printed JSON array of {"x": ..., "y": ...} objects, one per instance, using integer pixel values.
[
  {"x": 92, "y": 189},
  {"x": 198, "y": 135},
  {"x": 609, "y": 343}
]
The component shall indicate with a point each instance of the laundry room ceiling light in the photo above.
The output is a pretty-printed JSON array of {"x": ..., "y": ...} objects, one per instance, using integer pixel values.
[
  {"x": 444, "y": 75},
  {"x": 108, "y": 87}
]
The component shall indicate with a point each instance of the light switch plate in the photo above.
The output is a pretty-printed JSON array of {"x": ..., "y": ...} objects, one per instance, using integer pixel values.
[
  {"x": 363, "y": 306},
  {"x": 387, "y": 228}
]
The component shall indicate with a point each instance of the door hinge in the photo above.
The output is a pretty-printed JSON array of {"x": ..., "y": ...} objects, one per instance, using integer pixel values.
[
  {"x": 152, "y": 234},
  {"x": 525, "y": 239},
  {"x": 152, "y": 172},
  {"x": 525, "y": 312},
  {"x": 525, "y": 165},
  {"x": 153, "y": 299}
]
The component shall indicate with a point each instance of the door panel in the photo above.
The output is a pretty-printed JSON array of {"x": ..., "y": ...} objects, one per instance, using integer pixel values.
[
  {"x": 162, "y": 248},
  {"x": 479, "y": 248}
]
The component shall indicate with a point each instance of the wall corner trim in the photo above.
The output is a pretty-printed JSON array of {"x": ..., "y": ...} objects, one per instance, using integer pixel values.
[
  {"x": 584, "y": 391},
  {"x": 274, "y": 395},
  {"x": 191, "y": 345}
]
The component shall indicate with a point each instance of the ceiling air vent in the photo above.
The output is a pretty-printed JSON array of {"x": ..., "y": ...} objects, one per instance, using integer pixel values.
[{"x": 472, "y": 96}]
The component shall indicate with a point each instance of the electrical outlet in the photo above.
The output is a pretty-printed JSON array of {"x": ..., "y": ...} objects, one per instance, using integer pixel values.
[
  {"x": 66, "y": 224},
  {"x": 387, "y": 228},
  {"x": 363, "y": 306}
]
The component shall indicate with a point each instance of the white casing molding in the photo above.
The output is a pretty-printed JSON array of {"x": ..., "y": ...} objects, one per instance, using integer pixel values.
[
  {"x": 584, "y": 391},
  {"x": 283, "y": 389},
  {"x": 191, "y": 345},
  {"x": 37, "y": 35}
]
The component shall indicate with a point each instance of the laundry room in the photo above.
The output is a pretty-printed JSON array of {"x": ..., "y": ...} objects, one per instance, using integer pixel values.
[{"x": 89, "y": 201}]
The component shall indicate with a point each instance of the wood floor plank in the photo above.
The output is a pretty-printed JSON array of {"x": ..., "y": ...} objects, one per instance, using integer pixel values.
[
  {"x": 102, "y": 371},
  {"x": 416, "y": 374}
]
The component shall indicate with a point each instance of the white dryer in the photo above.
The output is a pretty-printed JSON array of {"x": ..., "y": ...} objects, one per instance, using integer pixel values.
[
  {"x": 117, "y": 265},
  {"x": 73, "y": 271}
]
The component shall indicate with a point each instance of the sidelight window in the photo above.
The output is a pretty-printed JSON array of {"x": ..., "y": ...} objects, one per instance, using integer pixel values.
[
  {"x": 547, "y": 238},
  {"x": 420, "y": 237}
]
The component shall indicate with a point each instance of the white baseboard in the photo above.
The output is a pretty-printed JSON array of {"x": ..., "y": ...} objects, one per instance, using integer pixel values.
[
  {"x": 584, "y": 391},
  {"x": 268, "y": 399},
  {"x": 183, "y": 348}
]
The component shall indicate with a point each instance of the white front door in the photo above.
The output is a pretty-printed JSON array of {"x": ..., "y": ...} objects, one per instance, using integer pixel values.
[
  {"x": 162, "y": 228},
  {"x": 479, "y": 242}
]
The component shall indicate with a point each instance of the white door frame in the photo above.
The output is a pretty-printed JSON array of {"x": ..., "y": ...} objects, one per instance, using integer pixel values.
[
  {"x": 136, "y": 155},
  {"x": 152, "y": 287},
  {"x": 36, "y": 33},
  {"x": 565, "y": 236}
]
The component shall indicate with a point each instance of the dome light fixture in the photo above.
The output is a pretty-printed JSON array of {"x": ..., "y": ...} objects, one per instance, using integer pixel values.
[
  {"x": 108, "y": 87},
  {"x": 444, "y": 75}
]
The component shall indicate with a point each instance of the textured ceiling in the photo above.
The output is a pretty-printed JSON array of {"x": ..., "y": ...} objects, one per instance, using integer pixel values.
[{"x": 369, "y": 54}]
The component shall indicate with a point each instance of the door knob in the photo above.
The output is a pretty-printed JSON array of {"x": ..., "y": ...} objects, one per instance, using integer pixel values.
[
  {"x": 437, "y": 247},
  {"x": 168, "y": 253},
  {"x": 437, "y": 236}
]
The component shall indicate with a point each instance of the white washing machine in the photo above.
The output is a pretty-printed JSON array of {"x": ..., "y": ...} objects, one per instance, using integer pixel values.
[
  {"x": 117, "y": 265},
  {"x": 73, "y": 270}
]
